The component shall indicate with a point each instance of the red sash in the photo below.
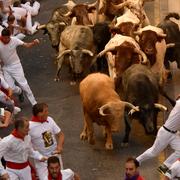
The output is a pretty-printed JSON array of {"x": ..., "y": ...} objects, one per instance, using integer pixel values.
[{"x": 14, "y": 165}]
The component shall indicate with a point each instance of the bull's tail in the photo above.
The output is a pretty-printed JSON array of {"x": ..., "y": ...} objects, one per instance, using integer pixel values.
[{"x": 172, "y": 14}]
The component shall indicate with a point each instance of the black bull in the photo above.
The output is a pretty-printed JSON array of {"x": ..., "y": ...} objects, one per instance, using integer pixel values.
[
  {"x": 140, "y": 87},
  {"x": 173, "y": 36}
]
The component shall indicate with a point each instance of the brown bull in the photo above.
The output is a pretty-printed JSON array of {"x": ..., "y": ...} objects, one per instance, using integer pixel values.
[
  {"x": 102, "y": 106},
  {"x": 81, "y": 11},
  {"x": 122, "y": 52}
]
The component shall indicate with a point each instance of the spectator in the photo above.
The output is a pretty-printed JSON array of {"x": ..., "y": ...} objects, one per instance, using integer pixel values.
[
  {"x": 5, "y": 7},
  {"x": 167, "y": 135},
  {"x": 33, "y": 7},
  {"x": 16, "y": 149},
  {"x": 131, "y": 167},
  {"x": 174, "y": 171},
  {"x": 15, "y": 29},
  {"x": 46, "y": 137},
  {"x": 12, "y": 67},
  {"x": 55, "y": 172}
]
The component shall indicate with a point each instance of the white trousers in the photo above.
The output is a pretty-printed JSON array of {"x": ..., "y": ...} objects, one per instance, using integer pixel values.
[
  {"x": 14, "y": 73},
  {"x": 163, "y": 139},
  {"x": 41, "y": 168},
  {"x": 20, "y": 174},
  {"x": 34, "y": 10}
]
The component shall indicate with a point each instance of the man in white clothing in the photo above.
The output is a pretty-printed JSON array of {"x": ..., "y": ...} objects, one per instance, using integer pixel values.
[
  {"x": 12, "y": 67},
  {"x": 46, "y": 137},
  {"x": 55, "y": 172},
  {"x": 16, "y": 149},
  {"x": 33, "y": 9},
  {"x": 167, "y": 135}
]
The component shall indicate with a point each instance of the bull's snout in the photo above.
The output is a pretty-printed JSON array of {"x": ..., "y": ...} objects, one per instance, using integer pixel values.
[
  {"x": 149, "y": 50},
  {"x": 150, "y": 129}
]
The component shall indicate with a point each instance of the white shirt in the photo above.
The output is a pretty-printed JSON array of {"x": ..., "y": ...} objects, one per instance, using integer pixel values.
[
  {"x": 16, "y": 150},
  {"x": 43, "y": 136},
  {"x": 173, "y": 121},
  {"x": 8, "y": 53}
]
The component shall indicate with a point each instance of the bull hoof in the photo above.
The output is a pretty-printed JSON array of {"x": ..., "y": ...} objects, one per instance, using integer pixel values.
[
  {"x": 124, "y": 144},
  {"x": 109, "y": 146},
  {"x": 73, "y": 83},
  {"x": 91, "y": 141},
  {"x": 83, "y": 136},
  {"x": 56, "y": 79}
]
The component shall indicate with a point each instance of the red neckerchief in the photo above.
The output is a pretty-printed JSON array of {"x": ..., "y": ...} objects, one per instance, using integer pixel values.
[
  {"x": 58, "y": 178},
  {"x": 179, "y": 159},
  {"x": 16, "y": 134},
  {"x": 36, "y": 119}
]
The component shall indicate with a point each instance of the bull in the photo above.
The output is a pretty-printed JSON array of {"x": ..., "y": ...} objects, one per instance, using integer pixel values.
[
  {"x": 56, "y": 25},
  {"x": 76, "y": 46},
  {"x": 141, "y": 88},
  {"x": 125, "y": 24},
  {"x": 152, "y": 42},
  {"x": 171, "y": 29},
  {"x": 102, "y": 106},
  {"x": 122, "y": 52},
  {"x": 136, "y": 7},
  {"x": 81, "y": 11}
]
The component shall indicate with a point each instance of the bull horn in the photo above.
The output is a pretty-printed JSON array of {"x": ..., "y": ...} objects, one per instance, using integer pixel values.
[
  {"x": 67, "y": 14},
  {"x": 64, "y": 53},
  {"x": 41, "y": 26},
  {"x": 162, "y": 35},
  {"x": 86, "y": 51},
  {"x": 70, "y": 4},
  {"x": 133, "y": 111},
  {"x": 102, "y": 108},
  {"x": 145, "y": 60},
  {"x": 93, "y": 4},
  {"x": 127, "y": 104},
  {"x": 160, "y": 106},
  {"x": 137, "y": 33},
  {"x": 105, "y": 51},
  {"x": 62, "y": 23},
  {"x": 170, "y": 45},
  {"x": 120, "y": 6}
]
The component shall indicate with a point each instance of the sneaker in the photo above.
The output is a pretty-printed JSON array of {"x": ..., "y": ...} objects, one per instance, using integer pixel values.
[
  {"x": 163, "y": 169},
  {"x": 168, "y": 174},
  {"x": 17, "y": 110},
  {"x": 21, "y": 97}
]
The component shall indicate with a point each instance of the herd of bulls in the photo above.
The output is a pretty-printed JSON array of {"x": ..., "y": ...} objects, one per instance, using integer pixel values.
[{"x": 117, "y": 35}]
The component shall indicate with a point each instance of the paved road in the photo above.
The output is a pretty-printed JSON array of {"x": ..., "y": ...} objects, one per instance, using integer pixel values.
[{"x": 91, "y": 162}]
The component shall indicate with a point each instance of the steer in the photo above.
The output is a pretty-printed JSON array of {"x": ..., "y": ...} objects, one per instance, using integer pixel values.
[
  {"x": 125, "y": 24},
  {"x": 56, "y": 25},
  {"x": 102, "y": 106},
  {"x": 152, "y": 42},
  {"x": 171, "y": 28},
  {"x": 121, "y": 52},
  {"x": 140, "y": 87},
  {"x": 76, "y": 46},
  {"x": 81, "y": 11}
]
